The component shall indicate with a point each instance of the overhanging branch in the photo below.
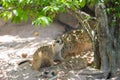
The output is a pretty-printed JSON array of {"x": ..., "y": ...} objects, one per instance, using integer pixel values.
[{"x": 82, "y": 21}]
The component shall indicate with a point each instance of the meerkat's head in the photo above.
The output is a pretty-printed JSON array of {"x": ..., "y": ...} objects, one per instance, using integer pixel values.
[{"x": 58, "y": 44}]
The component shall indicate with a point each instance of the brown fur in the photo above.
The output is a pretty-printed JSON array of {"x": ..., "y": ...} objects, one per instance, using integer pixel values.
[
  {"x": 45, "y": 55},
  {"x": 75, "y": 42},
  {"x": 75, "y": 49}
]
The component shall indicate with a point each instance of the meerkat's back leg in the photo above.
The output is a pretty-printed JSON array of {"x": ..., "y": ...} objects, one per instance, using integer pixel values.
[
  {"x": 42, "y": 61},
  {"x": 46, "y": 62},
  {"x": 36, "y": 64}
]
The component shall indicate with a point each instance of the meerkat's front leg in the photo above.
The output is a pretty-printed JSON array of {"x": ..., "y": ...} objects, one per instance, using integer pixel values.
[
  {"x": 36, "y": 64},
  {"x": 60, "y": 56}
]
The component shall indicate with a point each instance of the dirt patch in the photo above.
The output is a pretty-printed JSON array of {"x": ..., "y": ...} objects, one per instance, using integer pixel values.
[
  {"x": 20, "y": 38},
  {"x": 16, "y": 39}
]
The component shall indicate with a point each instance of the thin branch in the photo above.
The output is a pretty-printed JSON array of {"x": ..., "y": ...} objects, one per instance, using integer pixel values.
[{"x": 82, "y": 21}]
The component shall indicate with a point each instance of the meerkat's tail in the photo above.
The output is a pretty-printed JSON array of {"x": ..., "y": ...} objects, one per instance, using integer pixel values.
[{"x": 24, "y": 61}]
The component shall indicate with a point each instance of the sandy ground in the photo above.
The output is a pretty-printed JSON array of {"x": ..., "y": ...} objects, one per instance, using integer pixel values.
[
  {"x": 16, "y": 39},
  {"x": 20, "y": 38}
]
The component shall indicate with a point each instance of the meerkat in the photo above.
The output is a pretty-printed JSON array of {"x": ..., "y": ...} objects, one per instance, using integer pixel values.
[
  {"x": 75, "y": 42},
  {"x": 45, "y": 55}
]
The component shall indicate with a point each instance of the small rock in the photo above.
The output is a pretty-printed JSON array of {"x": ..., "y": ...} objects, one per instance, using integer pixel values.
[{"x": 24, "y": 55}]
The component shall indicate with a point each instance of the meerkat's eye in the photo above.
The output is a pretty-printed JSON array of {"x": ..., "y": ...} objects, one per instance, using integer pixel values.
[
  {"x": 46, "y": 72},
  {"x": 53, "y": 73},
  {"x": 58, "y": 41}
]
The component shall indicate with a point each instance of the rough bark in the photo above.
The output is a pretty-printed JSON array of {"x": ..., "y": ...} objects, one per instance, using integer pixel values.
[
  {"x": 117, "y": 36},
  {"x": 102, "y": 37},
  {"x": 108, "y": 44},
  {"x": 97, "y": 59}
]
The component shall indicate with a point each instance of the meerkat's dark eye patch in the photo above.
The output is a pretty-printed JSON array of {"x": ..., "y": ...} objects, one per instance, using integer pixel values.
[
  {"x": 57, "y": 41},
  {"x": 46, "y": 72}
]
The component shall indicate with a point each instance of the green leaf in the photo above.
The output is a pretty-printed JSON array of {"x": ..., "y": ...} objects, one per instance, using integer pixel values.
[
  {"x": 15, "y": 12},
  {"x": 43, "y": 20},
  {"x": 82, "y": 3},
  {"x": 16, "y": 19},
  {"x": 92, "y": 2}
]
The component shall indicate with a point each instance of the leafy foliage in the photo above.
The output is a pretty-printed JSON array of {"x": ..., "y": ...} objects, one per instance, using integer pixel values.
[
  {"x": 92, "y": 2},
  {"x": 113, "y": 7},
  {"x": 113, "y": 10},
  {"x": 44, "y": 11},
  {"x": 40, "y": 11}
]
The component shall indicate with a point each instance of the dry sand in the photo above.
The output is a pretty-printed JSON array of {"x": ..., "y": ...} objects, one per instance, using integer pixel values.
[{"x": 16, "y": 39}]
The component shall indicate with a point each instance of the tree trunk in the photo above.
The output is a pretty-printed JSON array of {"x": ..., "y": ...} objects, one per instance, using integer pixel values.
[
  {"x": 117, "y": 37},
  {"x": 108, "y": 37},
  {"x": 106, "y": 42}
]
